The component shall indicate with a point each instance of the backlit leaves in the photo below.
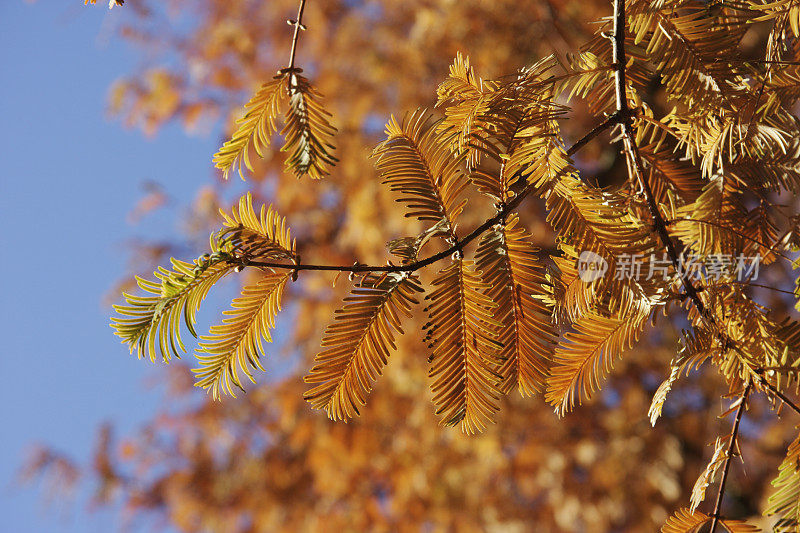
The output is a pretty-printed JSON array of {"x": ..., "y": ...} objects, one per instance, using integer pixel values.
[
  {"x": 463, "y": 341},
  {"x": 511, "y": 269},
  {"x": 356, "y": 346},
  {"x": 418, "y": 164},
  {"x": 523, "y": 141},
  {"x": 151, "y": 325},
  {"x": 709, "y": 473},
  {"x": 586, "y": 356},
  {"x": 595, "y": 220},
  {"x": 685, "y": 521},
  {"x": 307, "y": 131},
  {"x": 784, "y": 502},
  {"x": 712, "y": 224},
  {"x": 235, "y": 345},
  {"x": 264, "y": 235},
  {"x": 255, "y": 128},
  {"x": 465, "y": 97},
  {"x": 660, "y": 396}
]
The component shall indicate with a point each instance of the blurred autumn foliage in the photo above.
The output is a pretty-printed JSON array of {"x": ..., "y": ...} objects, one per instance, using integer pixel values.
[{"x": 266, "y": 461}]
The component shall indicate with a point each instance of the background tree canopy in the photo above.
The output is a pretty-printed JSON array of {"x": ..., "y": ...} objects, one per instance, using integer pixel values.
[{"x": 265, "y": 461}]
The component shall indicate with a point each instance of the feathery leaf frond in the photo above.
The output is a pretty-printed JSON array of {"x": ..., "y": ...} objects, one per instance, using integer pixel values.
[
  {"x": 356, "y": 346},
  {"x": 151, "y": 324},
  {"x": 660, "y": 396},
  {"x": 263, "y": 235},
  {"x": 785, "y": 500},
  {"x": 236, "y": 343},
  {"x": 586, "y": 356},
  {"x": 465, "y": 98},
  {"x": 524, "y": 142},
  {"x": 666, "y": 172},
  {"x": 596, "y": 220},
  {"x": 572, "y": 297},
  {"x": 708, "y": 474},
  {"x": 418, "y": 165},
  {"x": 783, "y": 361},
  {"x": 511, "y": 270},
  {"x": 255, "y": 128},
  {"x": 685, "y": 521},
  {"x": 308, "y": 132},
  {"x": 713, "y": 221},
  {"x": 695, "y": 347},
  {"x": 779, "y": 171},
  {"x": 464, "y": 348},
  {"x": 685, "y": 39}
]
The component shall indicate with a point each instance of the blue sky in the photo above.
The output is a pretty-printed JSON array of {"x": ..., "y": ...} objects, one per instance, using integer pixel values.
[{"x": 69, "y": 177}]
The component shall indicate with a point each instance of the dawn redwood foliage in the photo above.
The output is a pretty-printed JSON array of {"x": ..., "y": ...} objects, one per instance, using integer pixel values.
[{"x": 702, "y": 207}]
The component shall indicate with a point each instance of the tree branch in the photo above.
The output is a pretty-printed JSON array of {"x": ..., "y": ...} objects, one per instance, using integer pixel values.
[
  {"x": 298, "y": 25},
  {"x": 731, "y": 446},
  {"x": 635, "y": 158}
]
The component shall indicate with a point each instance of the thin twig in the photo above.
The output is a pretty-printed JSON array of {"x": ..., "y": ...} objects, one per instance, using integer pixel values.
[
  {"x": 785, "y": 399},
  {"x": 597, "y": 130},
  {"x": 731, "y": 446},
  {"x": 757, "y": 61},
  {"x": 580, "y": 143},
  {"x": 762, "y": 286},
  {"x": 769, "y": 247},
  {"x": 298, "y": 25},
  {"x": 459, "y": 245}
]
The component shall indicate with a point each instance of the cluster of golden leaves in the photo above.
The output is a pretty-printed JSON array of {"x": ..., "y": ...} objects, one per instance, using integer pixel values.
[
  {"x": 717, "y": 139},
  {"x": 307, "y": 133}
]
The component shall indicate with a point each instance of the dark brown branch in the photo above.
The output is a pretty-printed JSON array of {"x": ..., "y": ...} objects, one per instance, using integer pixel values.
[
  {"x": 580, "y": 143},
  {"x": 757, "y": 61},
  {"x": 731, "y": 447},
  {"x": 635, "y": 158},
  {"x": 629, "y": 138},
  {"x": 459, "y": 245},
  {"x": 620, "y": 61},
  {"x": 597, "y": 130}
]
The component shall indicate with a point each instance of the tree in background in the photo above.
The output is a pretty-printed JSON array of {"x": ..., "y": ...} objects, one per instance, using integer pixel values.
[{"x": 692, "y": 152}]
